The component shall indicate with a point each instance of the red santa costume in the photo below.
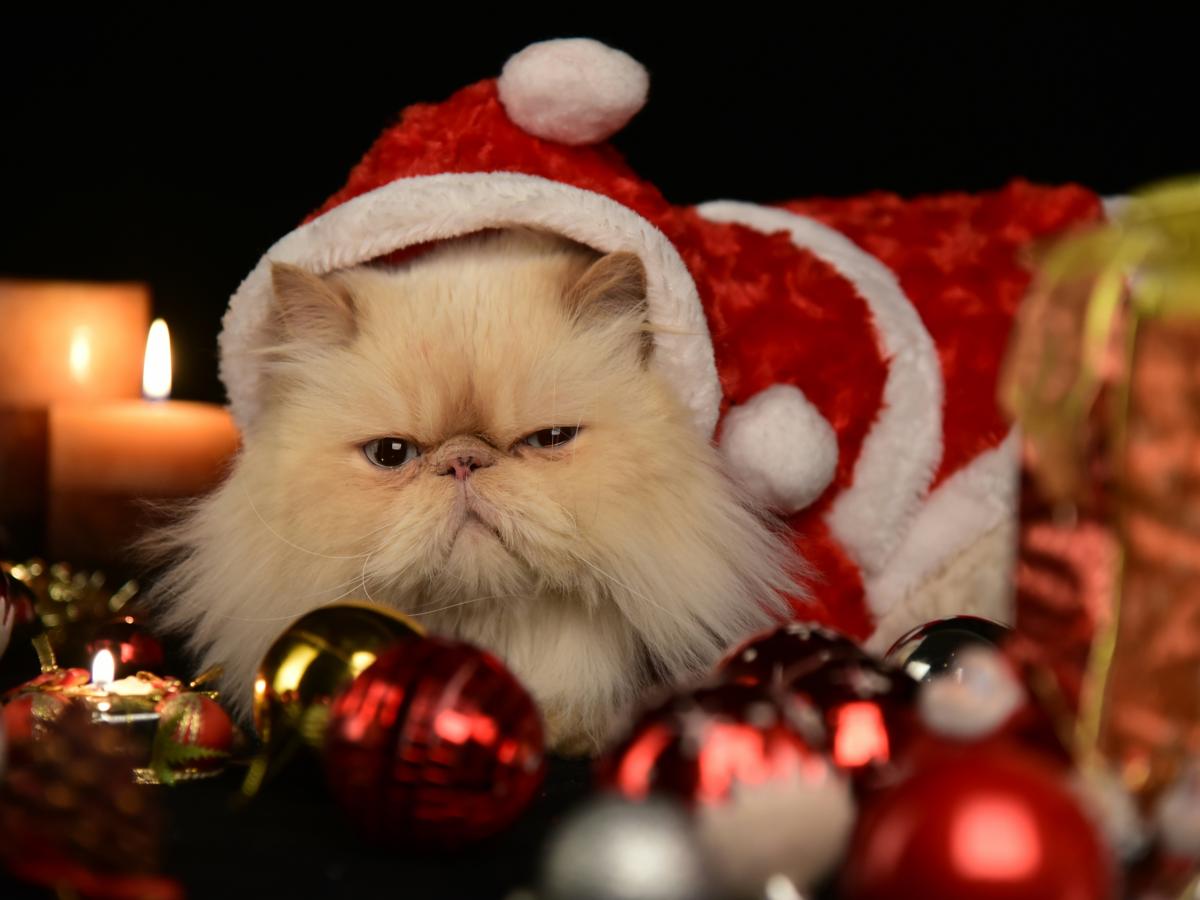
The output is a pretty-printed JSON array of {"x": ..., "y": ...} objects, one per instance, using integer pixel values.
[{"x": 843, "y": 352}]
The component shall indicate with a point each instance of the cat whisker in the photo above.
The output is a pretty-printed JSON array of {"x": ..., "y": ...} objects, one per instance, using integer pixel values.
[
  {"x": 430, "y": 612},
  {"x": 679, "y": 619},
  {"x": 295, "y": 546}
]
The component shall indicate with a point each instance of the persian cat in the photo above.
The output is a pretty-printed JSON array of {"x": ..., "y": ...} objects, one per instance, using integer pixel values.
[{"x": 477, "y": 437}]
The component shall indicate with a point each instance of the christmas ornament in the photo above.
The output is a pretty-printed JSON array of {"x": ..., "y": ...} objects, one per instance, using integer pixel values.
[
  {"x": 26, "y": 716},
  {"x": 193, "y": 739},
  {"x": 972, "y": 698},
  {"x": 615, "y": 849},
  {"x": 133, "y": 648},
  {"x": 315, "y": 658},
  {"x": 14, "y": 608},
  {"x": 71, "y": 817},
  {"x": 1101, "y": 379},
  {"x": 779, "y": 656},
  {"x": 860, "y": 337},
  {"x": 867, "y": 709},
  {"x": 983, "y": 826},
  {"x": 436, "y": 743},
  {"x": 933, "y": 649},
  {"x": 748, "y": 762}
]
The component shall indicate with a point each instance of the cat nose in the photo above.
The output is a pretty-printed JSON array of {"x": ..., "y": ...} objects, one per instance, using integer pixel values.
[
  {"x": 462, "y": 466},
  {"x": 463, "y": 456}
]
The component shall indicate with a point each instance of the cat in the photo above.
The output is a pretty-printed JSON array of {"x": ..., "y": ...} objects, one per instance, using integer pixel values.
[{"x": 476, "y": 436}]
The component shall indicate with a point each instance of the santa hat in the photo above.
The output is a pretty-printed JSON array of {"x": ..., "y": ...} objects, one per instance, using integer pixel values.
[{"x": 846, "y": 349}]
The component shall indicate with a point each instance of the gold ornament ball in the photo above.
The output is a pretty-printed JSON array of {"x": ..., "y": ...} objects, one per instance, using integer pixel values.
[{"x": 314, "y": 659}]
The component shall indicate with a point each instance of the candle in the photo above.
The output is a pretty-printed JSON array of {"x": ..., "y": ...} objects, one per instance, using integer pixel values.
[
  {"x": 106, "y": 458},
  {"x": 63, "y": 342}
]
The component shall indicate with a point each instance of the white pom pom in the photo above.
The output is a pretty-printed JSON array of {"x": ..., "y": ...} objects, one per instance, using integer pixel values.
[
  {"x": 1177, "y": 816},
  {"x": 973, "y": 699},
  {"x": 1113, "y": 811},
  {"x": 572, "y": 90},
  {"x": 798, "y": 829},
  {"x": 781, "y": 447}
]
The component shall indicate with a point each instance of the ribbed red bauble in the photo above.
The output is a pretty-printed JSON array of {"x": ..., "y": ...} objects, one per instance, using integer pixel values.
[
  {"x": 437, "y": 743},
  {"x": 995, "y": 825}
]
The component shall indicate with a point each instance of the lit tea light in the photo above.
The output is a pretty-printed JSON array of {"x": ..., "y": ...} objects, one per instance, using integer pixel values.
[
  {"x": 156, "y": 370},
  {"x": 104, "y": 668}
]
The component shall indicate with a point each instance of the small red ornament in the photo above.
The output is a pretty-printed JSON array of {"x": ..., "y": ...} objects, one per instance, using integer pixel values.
[
  {"x": 437, "y": 743},
  {"x": 133, "y": 648},
  {"x": 868, "y": 711},
  {"x": 194, "y": 735},
  {"x": 53, "y": 681},
  {"x": 26, "y": 716},
  {"x": 994, "y": 825},
  {"x": 777, "y": 657}
]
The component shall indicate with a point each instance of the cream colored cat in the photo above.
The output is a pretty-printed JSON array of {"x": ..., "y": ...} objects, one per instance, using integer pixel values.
[{"x": 476, "y": 438}]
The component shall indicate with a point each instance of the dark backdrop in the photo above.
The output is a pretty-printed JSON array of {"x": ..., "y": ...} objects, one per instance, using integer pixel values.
[{"x": 176, "y": 149}]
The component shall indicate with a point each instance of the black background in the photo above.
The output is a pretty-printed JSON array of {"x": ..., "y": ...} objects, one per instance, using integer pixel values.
[{"x": 175, "y": 148}]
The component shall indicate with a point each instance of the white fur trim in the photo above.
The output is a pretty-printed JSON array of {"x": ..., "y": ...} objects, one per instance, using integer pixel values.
[
  {"x": 574, "y": 90},
  {"x": 962, "y": 509},
  {"x": 781, "y": 446},
  {"x": 427, "y": 208},
  {"x": 902, "y": 450},
  {"x": 974, "y": 700}
]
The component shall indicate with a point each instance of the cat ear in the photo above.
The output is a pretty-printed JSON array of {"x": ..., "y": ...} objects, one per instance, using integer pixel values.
[
  {"x": 613, "y": 285},
  {"x": 312, "y": 308}
]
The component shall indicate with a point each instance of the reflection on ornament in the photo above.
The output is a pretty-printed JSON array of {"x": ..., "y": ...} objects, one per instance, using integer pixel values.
[
  {"x": 437, "y": 743},
  {"x": 749, "y": 763},
  {"x": 779, "y": 656},
  {"x": 318, "y": 655},
  {"x": 614, "y": 849},
  {"x": 932, "y": 649},
  {"x": 996, "y": 824},
  {"x": 972, "y": 699}
]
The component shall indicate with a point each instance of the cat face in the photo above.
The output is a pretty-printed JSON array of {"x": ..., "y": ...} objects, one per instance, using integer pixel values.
[
  {"x": 481, "y": 424},
  {"x": 479, "y": 438}
]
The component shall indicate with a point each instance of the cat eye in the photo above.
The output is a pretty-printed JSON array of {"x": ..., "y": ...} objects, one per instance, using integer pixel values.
[
  {"x": 550, "y": 437},
  {"x": 390, "y": 452}
]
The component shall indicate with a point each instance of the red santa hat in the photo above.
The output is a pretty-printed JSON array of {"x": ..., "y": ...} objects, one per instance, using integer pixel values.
[{"x": 844, "y": 352}]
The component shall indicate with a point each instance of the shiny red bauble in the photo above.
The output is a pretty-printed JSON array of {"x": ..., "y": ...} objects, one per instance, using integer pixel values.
[
  {"x": 435, "y": 743},
  {"x": 868, "y": 712},
  {"x": 995, "y": 825},
  {"x": 777, "y": 657},
  {"x": 133, "y": 648},
  {"x": 700, "y": 746}
]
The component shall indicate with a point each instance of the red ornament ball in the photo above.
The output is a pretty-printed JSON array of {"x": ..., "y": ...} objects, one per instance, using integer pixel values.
[
  {"x": 195, "y": 734},
  {"x": 1000, "y": 825},
  {"x": 698, "y": 746},
  {"x": 868, "y": 712},
  {"x": 748, "y": 761},
  {"x": 777, "y": 657},
  {"x": 133, "y": 648},
  {"x": 16, "y": 608},
  {"x": 27, "y": 715},
  {"x": 436, "y": 743}
]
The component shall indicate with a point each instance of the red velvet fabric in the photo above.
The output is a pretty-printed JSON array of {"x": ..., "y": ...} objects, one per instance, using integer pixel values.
[{"x": 777, "y": 313}]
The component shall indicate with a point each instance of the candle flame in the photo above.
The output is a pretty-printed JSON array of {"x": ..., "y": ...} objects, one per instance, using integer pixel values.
[
  {"x": 156, "y": 374},
  {"x": 104, "y": 668},
  {"x": 80, "y": 355}
]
